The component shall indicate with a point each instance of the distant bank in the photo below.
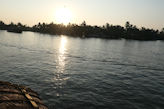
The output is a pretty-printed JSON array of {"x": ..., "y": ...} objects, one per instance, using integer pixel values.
[{"x": 86, "y": 31}]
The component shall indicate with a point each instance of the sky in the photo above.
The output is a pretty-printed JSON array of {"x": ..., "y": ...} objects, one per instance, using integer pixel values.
[{"x": 147, "y": 13}]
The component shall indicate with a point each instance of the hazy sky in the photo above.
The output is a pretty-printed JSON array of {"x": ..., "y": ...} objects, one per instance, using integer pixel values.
[{"x": 148, "y": 13}]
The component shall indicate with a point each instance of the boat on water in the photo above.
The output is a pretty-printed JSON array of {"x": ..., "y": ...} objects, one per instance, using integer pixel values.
[
  {"x": 13, "y": 96},
  {"x": 14, "y": 30}
]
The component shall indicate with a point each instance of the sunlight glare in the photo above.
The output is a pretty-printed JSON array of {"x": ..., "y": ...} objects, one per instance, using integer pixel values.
[
  {"x": 61, "y": 55},
  {"x": 63, "y": 16},
  {"x": 63, "y": 44}
]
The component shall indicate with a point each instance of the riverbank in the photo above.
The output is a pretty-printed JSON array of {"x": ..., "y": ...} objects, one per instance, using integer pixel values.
[{"x": 87, "y": 31}]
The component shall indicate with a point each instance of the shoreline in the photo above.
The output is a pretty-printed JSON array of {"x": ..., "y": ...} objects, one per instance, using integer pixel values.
[{"x": 87, "y": 31}]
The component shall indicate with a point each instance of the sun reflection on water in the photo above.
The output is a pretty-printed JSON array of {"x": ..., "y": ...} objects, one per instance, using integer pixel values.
[
  {"x": 63, "y": 43},
  {"x": 60, "y": 78},
  {"x": 62, "y": 50}
]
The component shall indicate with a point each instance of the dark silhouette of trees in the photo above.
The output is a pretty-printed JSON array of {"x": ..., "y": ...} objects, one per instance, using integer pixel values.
[
  {"x": 14, "y": 27},
  {"x": 114, "y": 32},
  {"x": 83, "y": 24},
  {"x": 162, "y": 30},
  {"x": 2, "y": 25},
  {"x": 83, "y": 30}
]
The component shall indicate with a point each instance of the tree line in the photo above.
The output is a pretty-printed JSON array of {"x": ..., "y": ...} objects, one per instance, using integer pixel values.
[{"x": 109, "y": 31}]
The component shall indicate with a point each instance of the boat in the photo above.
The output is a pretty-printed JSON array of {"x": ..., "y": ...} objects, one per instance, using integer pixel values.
[
  {"x": 14, "y": 30},
  {"x": 13, "y": 96}
]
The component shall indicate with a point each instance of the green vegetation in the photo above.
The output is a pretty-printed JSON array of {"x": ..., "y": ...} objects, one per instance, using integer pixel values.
[{"x": 107, "y": 31}]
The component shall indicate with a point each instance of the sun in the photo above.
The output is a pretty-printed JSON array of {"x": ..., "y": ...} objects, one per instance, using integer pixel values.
[{"x": 63, "y": 16}]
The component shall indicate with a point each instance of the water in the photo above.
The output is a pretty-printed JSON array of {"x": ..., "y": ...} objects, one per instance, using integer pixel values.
[{"x": 74, "y": 73}]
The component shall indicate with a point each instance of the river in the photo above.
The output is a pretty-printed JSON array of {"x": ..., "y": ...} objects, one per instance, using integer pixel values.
[{"x": 75, "y": 73}]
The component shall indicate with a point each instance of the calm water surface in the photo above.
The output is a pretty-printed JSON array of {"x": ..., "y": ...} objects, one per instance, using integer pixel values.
[{"x": 74, "y": 73}]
